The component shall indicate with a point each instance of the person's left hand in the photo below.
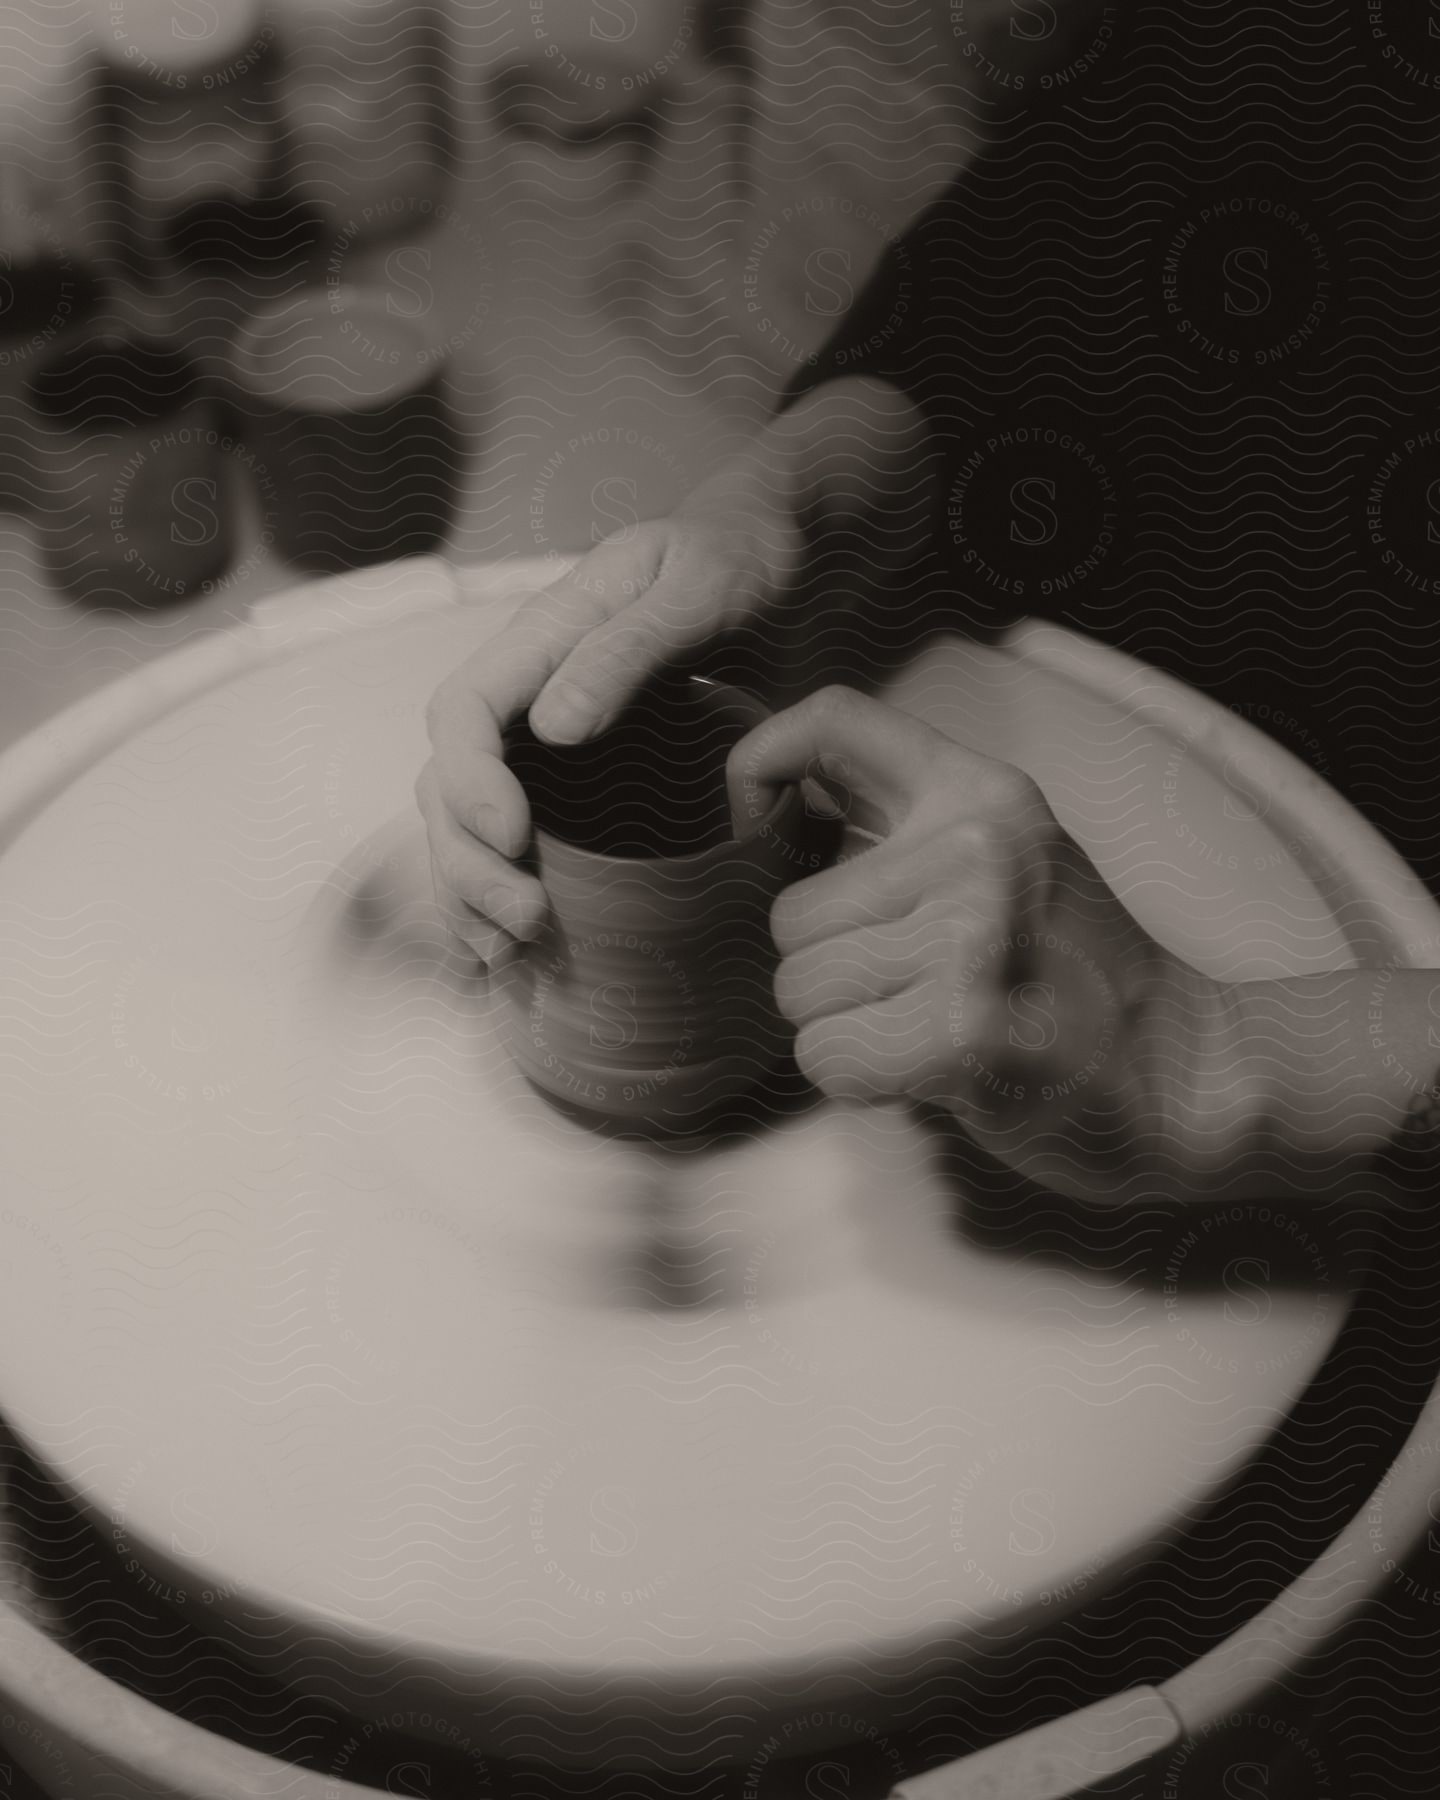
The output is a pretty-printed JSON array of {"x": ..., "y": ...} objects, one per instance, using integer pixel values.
[{"x": 973, "y": 956}]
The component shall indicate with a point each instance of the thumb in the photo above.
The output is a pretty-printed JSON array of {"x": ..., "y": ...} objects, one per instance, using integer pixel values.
[
  {"x": 857, "y": 757},
  {"x": 679, "y": 610}
]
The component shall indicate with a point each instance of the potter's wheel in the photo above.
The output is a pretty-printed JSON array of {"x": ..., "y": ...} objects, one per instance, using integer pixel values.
[{"x": 342, "y": 1331}]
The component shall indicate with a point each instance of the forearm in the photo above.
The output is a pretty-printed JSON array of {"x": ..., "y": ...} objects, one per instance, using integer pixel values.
[
  {"x": 859, "y": 453},
  {"x": 821, "y": 507},
  {"x": 852, "y": 457},
  {"x": 1252, "y": 1090},
  {"x": 1316, "y": 1076}
]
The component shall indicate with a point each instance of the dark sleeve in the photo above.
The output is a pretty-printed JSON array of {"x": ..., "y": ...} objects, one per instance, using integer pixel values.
[
  {"x": 882, "y": 333},
  {"x": 946, "y": 277},
  {"x": 1176, "y": 340},
  {"x": 1409, "y": 1166}
]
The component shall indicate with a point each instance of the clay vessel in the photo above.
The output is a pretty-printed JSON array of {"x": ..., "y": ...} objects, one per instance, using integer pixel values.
[{"x": 648, "y": 997}]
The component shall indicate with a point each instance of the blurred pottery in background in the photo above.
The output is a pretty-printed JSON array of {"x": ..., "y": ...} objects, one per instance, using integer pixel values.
[
  {"x": 184, "y": 117},
  {"x": 46, "y": 298},
  {"x": 134, "y": 500},
  {"x": 347, "y": 403},
  {"x": 577, "y": 96},
  {"x": 647, "y": 997},
  {"x": 366, "y": 113}
]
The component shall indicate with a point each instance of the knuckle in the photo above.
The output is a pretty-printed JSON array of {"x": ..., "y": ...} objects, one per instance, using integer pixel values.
[
  {"x": 789, "y": 992},
  {"x": 884, "y": 885},
  {"x": 624, "y": 652},
  {"x": 977, "y": 846},
  {"x": 812, "y": 1047},
  {"x": 788, "y": 916},
  {"x": 837, "y": 702},
  {"x": 451, "y": 871},
  {"x": 810, "y": 978},
  {"x": 1011, "y": 791},
  {"x": 580, "y": 603}
]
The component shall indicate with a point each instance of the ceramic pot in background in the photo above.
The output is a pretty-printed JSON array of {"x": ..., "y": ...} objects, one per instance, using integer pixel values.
[
  {"x": 348, "y": 405},
  {"x": 194, "y": 220},
  {"x": 648, "y": 996},
  {"x": 48, "y": 298},
  {"x": 183, "y": 116},
  {"x": 366, "y": 113},
  {"x": 134, "y": 498}
]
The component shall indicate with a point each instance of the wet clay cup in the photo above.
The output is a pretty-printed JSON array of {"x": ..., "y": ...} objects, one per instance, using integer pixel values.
[{"x": 647, "y": 998}]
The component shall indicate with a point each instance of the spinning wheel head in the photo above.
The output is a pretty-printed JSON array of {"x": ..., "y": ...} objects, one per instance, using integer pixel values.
[{"x": 566, "y": 1428}]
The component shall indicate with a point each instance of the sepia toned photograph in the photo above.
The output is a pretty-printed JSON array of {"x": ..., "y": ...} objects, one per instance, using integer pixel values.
[{"x": 719, "y": 899}]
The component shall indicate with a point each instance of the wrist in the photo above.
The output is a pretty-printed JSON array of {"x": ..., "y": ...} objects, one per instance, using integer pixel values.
[
  {"x": 1312, "y": 1100},
  {"x": 1204, "y": 1082},
  {"x": 749, "y": 507},
  {"x": 1156, "y": 1114}
]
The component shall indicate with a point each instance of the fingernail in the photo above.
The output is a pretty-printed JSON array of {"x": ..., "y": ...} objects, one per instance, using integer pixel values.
[
  {"x": 501, "y": 903},
  {"x": 490, "y": 825},
  {"x": 564, "y": 714},
  {"x": 526, "y": 929}
]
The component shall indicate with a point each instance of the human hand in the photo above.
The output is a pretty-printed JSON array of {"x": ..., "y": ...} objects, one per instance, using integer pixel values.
[
  {"x": 973, "y": 956},
  {"x": 573, "y": 655}
]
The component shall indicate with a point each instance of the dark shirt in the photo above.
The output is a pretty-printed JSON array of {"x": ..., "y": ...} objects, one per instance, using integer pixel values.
[{"x": 1175, "y": 334}]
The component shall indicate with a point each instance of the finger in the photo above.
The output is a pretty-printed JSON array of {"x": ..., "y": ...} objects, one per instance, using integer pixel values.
[
  {"x": 870, "y": 758},
  {"x": 478, "y": 937},
  {"x": 471, "y": 709},
  {"x": 873, "y": 1052},
  {"x": 500, "y": 679},
  {"x": 881, "y": 764},
  {"x": 475, "y": 792},
  {"x": 881, "y": 884},
  {"x": 680, "y": 610},
  {"x": 495, "y": 889},
  {"x": 608, "y": 582},
  {"x": 856, "y": 968}
]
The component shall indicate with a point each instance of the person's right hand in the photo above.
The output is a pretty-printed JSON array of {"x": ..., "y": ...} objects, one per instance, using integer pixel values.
[{"x": 574, "y": 655}]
